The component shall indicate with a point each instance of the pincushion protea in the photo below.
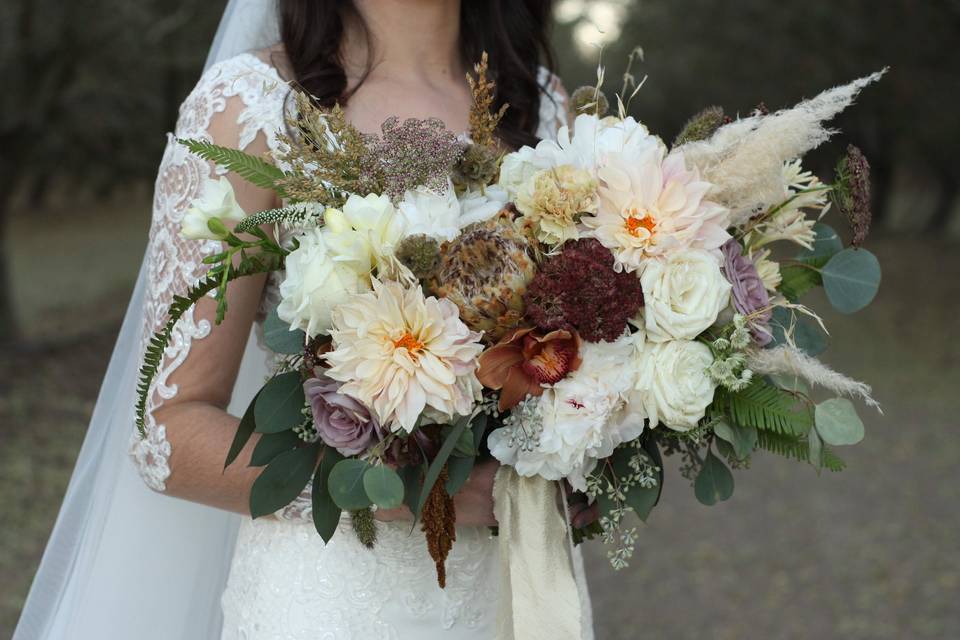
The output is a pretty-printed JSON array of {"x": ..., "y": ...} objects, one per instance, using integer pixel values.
[{"x": 485, "y": 272}]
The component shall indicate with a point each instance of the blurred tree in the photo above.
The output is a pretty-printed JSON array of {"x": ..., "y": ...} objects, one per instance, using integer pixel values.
[{"x": 89, "y": 87}]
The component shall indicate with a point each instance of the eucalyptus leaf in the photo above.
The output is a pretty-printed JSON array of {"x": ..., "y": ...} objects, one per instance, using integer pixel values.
[
  {"x": 412, "y": 477},
  {"x": 326, "y": 514},
  {"x": 282, "y": 480},
  {"x": 465, "y": 447},
  {"x": 346, "y": 484},
  {"x": 271, "y": 445},
  {"x": 851, "y": 279},
  {"x": 791, "y": 383},
  {"x": 742, "y": 438},
  {"x": 244, "y": 430},
  {"x": 383, "y": 486},
  {"x": 280, "y": 404},
  {"x": 714, "y": 483},
  {"x": 650, "y": 446},
  {"x": 279, "y": 338},
  {"x": 807, "y": 336},
  {"x": 458, "y": 472},
  {"x": 826, "y": 242},
  {"x": 815, "y": 445},
  {"x": 433, "y": 472},
  {"x": 837, "y": 422}
]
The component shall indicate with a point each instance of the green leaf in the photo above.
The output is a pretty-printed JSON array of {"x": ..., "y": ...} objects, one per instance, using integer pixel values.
[
  {"x": 765, "y": 407},
  {"x": 433, "y": 472},
  {"x": 326, "y": 514},
  {"x": 838, "y": 423},
  {"x": 412, "y": 477},
  {"x": 742, "y": 438},
  {"x": 465, "y": 447},
  {"x": 282, "y": 480},
  {"x": 280, "y": 405},
  {"x": 816, "y": 448},
  {"x": 458, "y": 470},
  {"x": 797, "y": 448},
  {"x": 791, "y": 383},
  {"x": 271, "y": 445},
  {"x": 280, "y": 338},
  {"x": 383, "y": 486},
  {"x": 346, "y": 484},
  {"x": 806, "y": 334},
  {"x": 244, "y": 431},
  {"x": 479, "y": 428},
  {"x": 650, "y": 446},
  {"x": 714, "y": 483},
  {"x": 851, "y": 279},
  {"x": 826, "y": 244},
  {"x": 251, "y": 168}
]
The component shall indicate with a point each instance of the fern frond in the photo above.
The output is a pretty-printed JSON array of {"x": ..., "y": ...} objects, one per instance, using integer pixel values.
[
  {"x": 831, "y": 461},
  {"x": 251, "y": 168},
  {"x": 158, "y": 343},
  {"x": 767, "y": 408},
  {"x": 292, "y": 215},
  {"x": 797, "y": 448}
]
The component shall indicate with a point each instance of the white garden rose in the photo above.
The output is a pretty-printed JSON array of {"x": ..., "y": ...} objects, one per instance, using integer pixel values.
[
  {"x": 216, "y": 200},
  {"x": 682, "y": 292},
  {"x": 315, "y": 282},
  {"x": 673, "y": 384}
]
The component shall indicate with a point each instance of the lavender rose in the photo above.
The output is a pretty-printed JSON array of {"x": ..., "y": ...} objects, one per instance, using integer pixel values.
[
  {"x": 341, "y": 421},
  {"x": 750, "y": 297}
]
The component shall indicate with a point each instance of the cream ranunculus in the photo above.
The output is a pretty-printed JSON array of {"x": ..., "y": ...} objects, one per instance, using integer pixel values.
[
  {"x": 314, "y": 283},
  {"x": 682, "y": 293},
  {"x": 673, "y": 384},
  {"x": 217, "y": 200}
]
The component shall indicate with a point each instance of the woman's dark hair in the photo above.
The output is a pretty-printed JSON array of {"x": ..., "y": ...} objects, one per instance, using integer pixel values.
[{"x": 512, "y": 32}]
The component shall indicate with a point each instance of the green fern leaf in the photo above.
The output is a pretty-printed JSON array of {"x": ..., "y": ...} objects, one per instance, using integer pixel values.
[
  {"x": 294, "y": 214},
  {"x": 158, "y": 343},
  {"x": 251, "y": 168},
  {"x": 797, "y": 448},
  {"x": 768, "y": 408}
]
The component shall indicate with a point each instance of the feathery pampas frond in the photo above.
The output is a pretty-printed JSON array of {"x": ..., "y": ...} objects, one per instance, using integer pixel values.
[
  {"x": 791, "y": 361},
  {"x": 744, "y": 159}
]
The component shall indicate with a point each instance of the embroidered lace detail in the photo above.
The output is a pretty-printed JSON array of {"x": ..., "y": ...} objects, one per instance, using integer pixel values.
[
  {"x": 174, "y": 264},
  {"x": 553, "y": 105}
]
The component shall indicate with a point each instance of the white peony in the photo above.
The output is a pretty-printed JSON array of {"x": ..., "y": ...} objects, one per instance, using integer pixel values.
[
  {"x": 432, "y": 213},
  {"x": 579, "y": 420},
  {"x": 683, "y": 293},
  {"x": 673, "y": 384},
  {"x": 315, "y": 282},
  {"x": 216, "y": 200}
]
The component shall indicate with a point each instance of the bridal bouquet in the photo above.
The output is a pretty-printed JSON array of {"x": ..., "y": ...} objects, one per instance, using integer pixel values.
[{"x": 576, "y": 310}]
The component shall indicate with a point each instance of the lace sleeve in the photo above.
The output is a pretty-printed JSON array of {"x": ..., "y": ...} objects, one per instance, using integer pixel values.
[
  {"x": 553, "y": 105},
  {"x": 253, "y": 89}
]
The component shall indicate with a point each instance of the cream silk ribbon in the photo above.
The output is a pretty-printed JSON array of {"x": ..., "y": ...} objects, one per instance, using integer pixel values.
[{"x": 538, "y": 593}]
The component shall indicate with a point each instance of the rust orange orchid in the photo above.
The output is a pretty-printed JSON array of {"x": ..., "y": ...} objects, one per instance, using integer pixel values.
[{"x": 525, "y": 360}]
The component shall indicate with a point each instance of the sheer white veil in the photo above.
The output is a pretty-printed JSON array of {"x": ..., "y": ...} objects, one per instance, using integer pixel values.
[{"x": 124, "y": 562}]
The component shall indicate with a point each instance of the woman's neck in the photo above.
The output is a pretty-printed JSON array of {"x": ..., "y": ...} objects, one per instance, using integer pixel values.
[{"x": 409, "y": 40}]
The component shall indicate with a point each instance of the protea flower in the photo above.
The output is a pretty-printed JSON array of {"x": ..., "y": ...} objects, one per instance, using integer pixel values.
[{"x": 485, "y": 272}]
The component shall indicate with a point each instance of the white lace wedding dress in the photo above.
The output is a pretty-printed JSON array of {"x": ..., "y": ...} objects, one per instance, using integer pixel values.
[{"x": 284, "y": 582}]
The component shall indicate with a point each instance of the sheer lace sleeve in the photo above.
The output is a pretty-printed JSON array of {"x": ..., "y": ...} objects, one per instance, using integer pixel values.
[
  {"x": 251, "y": 88},
  {"x": 553, "y": 105}
]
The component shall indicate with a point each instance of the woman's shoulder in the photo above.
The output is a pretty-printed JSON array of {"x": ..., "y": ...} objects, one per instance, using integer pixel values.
[{"x": 247, "y": 88}]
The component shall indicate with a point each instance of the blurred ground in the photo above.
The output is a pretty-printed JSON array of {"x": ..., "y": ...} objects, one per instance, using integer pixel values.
[{"x": 872, "y": 553}]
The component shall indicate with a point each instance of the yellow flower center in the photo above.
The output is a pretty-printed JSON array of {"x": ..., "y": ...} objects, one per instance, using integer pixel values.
[
  {"x": 408, "y": 342},
  {"x": 636, "y": 220}
]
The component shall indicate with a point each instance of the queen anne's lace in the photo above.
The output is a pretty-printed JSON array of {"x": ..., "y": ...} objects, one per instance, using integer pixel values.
[
  {"x": 174, "y": 264},
  {"x": 284, "y": 581}
]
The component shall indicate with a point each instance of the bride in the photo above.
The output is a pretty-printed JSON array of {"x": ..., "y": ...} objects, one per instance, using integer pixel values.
[{"x": 127, "y": 562}]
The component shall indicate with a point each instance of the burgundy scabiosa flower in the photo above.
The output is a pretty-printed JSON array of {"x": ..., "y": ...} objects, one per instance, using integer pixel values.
[
  {"x": 341, "y": 421},
  {"x": 750, "y": 297},
  {"x": 578, "y": 290}
]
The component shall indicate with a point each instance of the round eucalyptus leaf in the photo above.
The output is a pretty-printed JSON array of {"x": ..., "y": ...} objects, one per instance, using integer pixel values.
[
  {"x": 851, "y": 279},
  {"x": 816, "y": 448},
  {"x": 346, "y": 484},
  {"x": 280, "y": 338},
  {"x": 838, "y": 423},
  {"x": 743, "y": 439},
  {"x": 383, "y": 487},
  {"x": 807, "y": 336},
  {"x": 791, "y": 383},
  {"x": 279, "y": 406},
  {"x": 714, "y": 483},
  {"x": 825, "y": 244}
]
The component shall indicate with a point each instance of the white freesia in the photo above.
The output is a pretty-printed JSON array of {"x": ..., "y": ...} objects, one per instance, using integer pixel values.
[
  {"x": 682, "y": 293},
  {"x": 314, "y": 283},
  {"x": 402, "y": 355},
  {"x": 673, "y": 384},
  {"x": 580, "y": 419},
  {"x": 216, "y": 200}
]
